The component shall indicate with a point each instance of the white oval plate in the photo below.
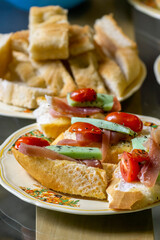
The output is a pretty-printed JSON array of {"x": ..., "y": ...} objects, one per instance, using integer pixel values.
[
  {"x": 17, "y": 181},
  {"x": 155, "y": 13},
  {"x": 13, "y": 111},
  {"x": 156, "y": 68}
]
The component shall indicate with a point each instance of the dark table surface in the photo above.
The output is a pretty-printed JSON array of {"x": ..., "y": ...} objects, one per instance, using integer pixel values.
[{"x": 17, "y": 218}]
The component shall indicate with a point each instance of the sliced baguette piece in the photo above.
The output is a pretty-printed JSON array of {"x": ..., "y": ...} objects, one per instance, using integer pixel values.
[
  {"x": 130, "y": 196},
  {"x": 5, "y": 53},
  {"x": 51, "y": 127},
  {"x": 65, "y": 176},
  {"x": 19, "y": 94},
  {"x": 110, "y": 36}
]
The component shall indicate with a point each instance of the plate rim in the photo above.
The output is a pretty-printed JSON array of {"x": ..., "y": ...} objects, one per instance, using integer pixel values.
[
  {"x": 155, "y": 13},
  {"x": 155, "y": 69},
  {"x": 66, "y": 209},
  {"x": 13, "y": 113}
]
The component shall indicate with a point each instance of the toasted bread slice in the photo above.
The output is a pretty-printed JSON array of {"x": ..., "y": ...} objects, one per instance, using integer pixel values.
[
  {"x": 51, "y": 127},
  {"x": 85, "y": 71},
  {"x": 65, "y": 176},
  {"x": 129, "y": 196},
  {"x": 80, "y": 39},
  {"x": 48, "y": 33},
  {"x": 5, "y": 53},
  {"x": 109, "y": 36}
]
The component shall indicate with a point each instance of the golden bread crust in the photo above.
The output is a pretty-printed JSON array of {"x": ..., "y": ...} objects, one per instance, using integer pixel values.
[{"x": 65, "y": 176}]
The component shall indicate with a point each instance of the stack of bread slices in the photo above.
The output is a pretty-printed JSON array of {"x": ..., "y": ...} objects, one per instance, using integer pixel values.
[{"x": 54, "y": 57}]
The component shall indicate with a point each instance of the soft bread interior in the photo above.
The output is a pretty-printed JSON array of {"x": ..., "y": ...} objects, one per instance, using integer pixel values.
[{"x": 128, "y": 196}]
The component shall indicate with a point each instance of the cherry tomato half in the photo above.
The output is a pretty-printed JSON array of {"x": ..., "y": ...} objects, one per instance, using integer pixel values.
[
  {"x": 31, "y": 141},
  {"x": 86, "y": 133},
  {"x": 140, "y": 155},
  {"x": 83, "y": 127},
  {"x": 126, "y": 119},
  {"x": 129, "y": 167},
  {"x": 83, "y": 95}
]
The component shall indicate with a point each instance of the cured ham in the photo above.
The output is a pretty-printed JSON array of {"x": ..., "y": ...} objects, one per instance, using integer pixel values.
[
  {"x": 109, "y": 138},
  {"x": 60, "y": 108},
  {"x": 149, "y": 172},
  {"x": 35, "y": 151},
  {"x": 116, "y": 105}
]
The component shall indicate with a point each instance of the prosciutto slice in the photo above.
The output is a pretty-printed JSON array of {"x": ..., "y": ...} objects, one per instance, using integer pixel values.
[
  {"x": 60, "y": 108},
  {"x": 105, "y": 145},
  {"x": 116, "y": 105},
  {"x": 149, "y": 172},
  {"x": 36, "y": 151},
  {"x": 109, "y": 138},
  {"x": 68, "y": 142}
]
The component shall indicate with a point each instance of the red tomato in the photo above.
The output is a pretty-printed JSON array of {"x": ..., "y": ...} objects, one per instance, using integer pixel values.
[
  {"x": 140, "y": 155},
  {"x": 86, "y": 132},
  {"x": 83, "y": 127},
  {"x": 126, "y": 119},
  {"x": 83, "y": 95},
  {"x": 129, "y": 167},
  {"x": 31, "y": 141}
]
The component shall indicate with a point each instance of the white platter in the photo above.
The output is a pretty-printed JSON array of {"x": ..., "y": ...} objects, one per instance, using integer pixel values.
[
  {"x": 17, "y": 181},
  {"x": 13, "y": 111}
]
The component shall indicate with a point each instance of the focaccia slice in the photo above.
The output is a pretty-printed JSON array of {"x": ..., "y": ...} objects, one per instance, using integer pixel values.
[
  {"x": 129, "y": 63},
  {"x": 5, "y": 53},
  {"x": 57, "y": 78},
  {"x": 80, "y": 39},
  {"x": 19, "y": 94},
  {"x": 48, "y": 33},
  {"x": 20, "y": 41},
  {"x": 109, "y": 36},
  {"x": 85, "y": 71},
  {"x": 113, "y": 77}
]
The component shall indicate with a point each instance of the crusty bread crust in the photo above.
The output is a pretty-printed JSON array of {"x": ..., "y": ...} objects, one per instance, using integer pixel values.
[{"x": 65, "y": 176}]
